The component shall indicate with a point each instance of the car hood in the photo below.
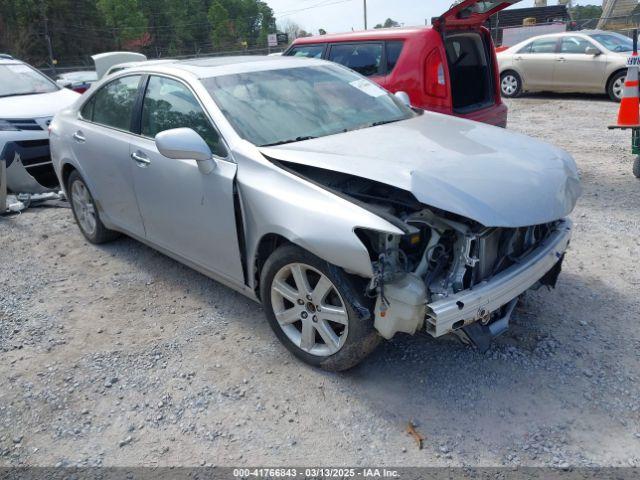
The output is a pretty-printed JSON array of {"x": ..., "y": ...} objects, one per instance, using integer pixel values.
[
  {"x": 37, "y": 105},
  {"x": 491, "y": 175}
]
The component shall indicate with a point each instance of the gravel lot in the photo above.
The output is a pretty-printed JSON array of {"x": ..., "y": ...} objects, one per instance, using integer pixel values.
[{"x": 119, "y": 356}]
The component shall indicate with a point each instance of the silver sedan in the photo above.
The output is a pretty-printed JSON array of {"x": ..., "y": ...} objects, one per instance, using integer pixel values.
[{"x": 301, "y": 184}]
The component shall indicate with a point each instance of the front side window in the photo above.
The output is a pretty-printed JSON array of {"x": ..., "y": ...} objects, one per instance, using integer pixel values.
[
  {"x": 364, "y": 58},
  {"x": 21, "y": 79},
  {"x": 544, "y": 45},
  {"x": 170, "y": 104},
  {"x": 574, "y": 45},
  {"x": 113, "y": 104},
  {"x": 307, "y": 51},
  {"x": 294, "y": 104},
  {"x": 393, "y": 53}
]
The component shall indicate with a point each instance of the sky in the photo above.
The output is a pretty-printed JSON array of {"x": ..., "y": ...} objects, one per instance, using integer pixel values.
[{"x": 345, "y": 15}]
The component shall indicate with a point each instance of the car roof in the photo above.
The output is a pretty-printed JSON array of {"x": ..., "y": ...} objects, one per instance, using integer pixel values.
[
  {"x": 375, "y": 34},
  {"x": 216, "y": 66},
  {"x": 10, "y": 61}
]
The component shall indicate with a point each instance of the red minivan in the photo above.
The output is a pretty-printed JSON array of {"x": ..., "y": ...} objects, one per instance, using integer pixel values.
[{"x": 449, "y": 68}]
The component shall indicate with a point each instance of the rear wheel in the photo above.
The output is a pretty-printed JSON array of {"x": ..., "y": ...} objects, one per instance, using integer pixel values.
[
  {"x": 616, "y": 86},
  {"x": 85, "y": 212},
  {"x": 316, "y": 310},
  {"x": 510, "y": 84}
]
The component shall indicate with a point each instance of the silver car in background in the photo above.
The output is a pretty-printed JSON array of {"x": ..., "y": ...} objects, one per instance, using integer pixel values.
[
  {"x": 307, "y": 187},
  {"x": 587, "y": 61}
]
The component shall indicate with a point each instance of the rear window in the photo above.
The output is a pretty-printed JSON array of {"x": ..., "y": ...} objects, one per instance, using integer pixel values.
[
  {"x": 364, "y": 58},
  {"x": 307, "y": 51},
  {"x": 394, "y": 49},
  {"x": 542, "y": 45}
]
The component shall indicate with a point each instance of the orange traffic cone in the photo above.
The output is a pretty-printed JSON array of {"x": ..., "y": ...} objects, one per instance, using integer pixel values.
[{"x": 629, "y": 113}]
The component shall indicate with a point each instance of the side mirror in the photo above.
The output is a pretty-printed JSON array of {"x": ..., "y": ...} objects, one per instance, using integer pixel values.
[
  {"x": 404, "y": 98},
  {"x": 592, "y": 51},
  {"x": 186, "y": 144}
]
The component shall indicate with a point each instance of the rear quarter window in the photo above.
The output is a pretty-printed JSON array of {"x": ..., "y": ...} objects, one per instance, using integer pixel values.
[{"x": 394, "y": 49}]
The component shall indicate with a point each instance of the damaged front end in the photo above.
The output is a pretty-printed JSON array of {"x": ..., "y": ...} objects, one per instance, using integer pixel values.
[{"x": 446, "y": 274}]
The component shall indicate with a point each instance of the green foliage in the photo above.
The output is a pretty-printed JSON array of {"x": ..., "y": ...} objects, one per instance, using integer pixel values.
[
  {"x": 158, "y": 28},
  {"x": 585, "y": 12},
  {"x": 388, "y": 23}
]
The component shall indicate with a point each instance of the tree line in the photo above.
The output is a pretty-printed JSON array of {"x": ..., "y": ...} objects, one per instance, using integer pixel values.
[{"x": 70, "y": 31}]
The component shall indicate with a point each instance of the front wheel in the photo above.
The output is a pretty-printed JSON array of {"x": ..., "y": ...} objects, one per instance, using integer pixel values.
[
  {"x": 316, "y": 310},
  {"x": 615, "y": 88},
  {"x": 510, "y": 84}
]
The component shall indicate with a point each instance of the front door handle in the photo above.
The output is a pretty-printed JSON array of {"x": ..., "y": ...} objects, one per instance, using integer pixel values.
[
  {"x": 561, "y": 59},
  {"x": 140, "y": 159},
  {"x": 518, "y": 58},
  {"x": 79, "y": 137}
]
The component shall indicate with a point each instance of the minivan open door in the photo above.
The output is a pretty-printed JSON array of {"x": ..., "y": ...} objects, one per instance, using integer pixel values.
[{"x": 470, "y": 13}]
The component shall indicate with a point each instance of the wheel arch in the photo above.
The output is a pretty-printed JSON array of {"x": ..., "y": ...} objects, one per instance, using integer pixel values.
[
  {"x": 267, "y": 244},
  {"x": 610, "y": 77}
]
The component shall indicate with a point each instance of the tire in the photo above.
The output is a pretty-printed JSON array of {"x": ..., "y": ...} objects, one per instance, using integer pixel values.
[
  {"x": 85, "y": 212},
  {"x": 636, "y": 167},
  {"x": 296, "y": 314},
  {"x": 510, "y": 84},
  {"x": 616, "y": 86}
]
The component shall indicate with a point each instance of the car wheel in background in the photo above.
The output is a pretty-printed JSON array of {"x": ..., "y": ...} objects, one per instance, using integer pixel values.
[
  {"x": 616, "y": 86},
  {"x": 636, "y": 167},
  {"x": 316, "y": 310},
  {"x": 510, "y": 84},
  {"x": 85, "y": 212}
]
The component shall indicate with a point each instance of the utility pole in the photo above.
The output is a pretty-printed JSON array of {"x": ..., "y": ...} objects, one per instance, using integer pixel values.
[
  {"x": 365, "y": 14},
  {"x": 47, "y": 37}
]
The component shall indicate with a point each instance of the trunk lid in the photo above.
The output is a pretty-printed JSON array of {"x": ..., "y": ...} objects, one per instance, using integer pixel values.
[{"x": 469, "y": 13}]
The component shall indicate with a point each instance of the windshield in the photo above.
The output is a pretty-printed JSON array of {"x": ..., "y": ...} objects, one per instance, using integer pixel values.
[
  {"x": 20, "y": 79},
  {"x": 288, "y": 105},
  {"x": 614, "y": 41}
]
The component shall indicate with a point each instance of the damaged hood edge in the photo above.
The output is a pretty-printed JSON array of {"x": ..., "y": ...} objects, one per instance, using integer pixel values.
[{"x": 493, "y": 176}]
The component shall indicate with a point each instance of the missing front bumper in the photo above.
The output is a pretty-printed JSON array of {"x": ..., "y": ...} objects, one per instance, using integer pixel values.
[{"x": 469, "y": 306}]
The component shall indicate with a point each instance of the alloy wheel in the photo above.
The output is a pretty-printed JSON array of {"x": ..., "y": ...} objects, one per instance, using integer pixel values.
[
  {"x": 618, "y": 87},
  {"x": 509, "y": 84},
  {"x": 83, "y": 207},
  {"x": 309, "y": 309}
]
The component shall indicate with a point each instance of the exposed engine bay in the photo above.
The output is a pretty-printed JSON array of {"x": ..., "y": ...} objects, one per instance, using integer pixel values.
[{"x": 440, "y": 255}]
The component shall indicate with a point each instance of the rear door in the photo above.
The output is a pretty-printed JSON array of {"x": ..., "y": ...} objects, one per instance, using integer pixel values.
[
  {"x": 101, "y": 145},
  {"x": 577, "y": 70},
  {"x": 537, "y": 61},
  {"x": 470, "y": 13}
]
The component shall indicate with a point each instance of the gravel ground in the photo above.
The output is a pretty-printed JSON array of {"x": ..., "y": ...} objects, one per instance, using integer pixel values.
[{"x": 119, "y": 356}]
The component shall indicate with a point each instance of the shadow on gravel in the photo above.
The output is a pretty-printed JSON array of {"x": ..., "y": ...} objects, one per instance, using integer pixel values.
[
  {"x": 592, "y": 97},
  {"x": 550, "y": 365}
]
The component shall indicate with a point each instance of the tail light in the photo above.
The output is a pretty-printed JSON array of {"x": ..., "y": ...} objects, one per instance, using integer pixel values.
[{"x": 435, "y": 81}]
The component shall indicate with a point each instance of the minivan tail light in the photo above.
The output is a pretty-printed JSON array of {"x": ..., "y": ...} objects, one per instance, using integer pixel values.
[{"x": 435, "y": 81}]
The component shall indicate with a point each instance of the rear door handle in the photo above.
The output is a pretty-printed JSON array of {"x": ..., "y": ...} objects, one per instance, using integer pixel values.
[
  {"x": 79, "y": 137},
  {"x": 561, "y": 59},
  {"x": 140, "y": 159}
]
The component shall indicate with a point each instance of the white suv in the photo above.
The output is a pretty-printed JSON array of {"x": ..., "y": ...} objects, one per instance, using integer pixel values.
[{"x": 28, "y": 101}]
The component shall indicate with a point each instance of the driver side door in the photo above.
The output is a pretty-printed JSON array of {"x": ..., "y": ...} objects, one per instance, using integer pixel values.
[{"x": 186, "y": 212}]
